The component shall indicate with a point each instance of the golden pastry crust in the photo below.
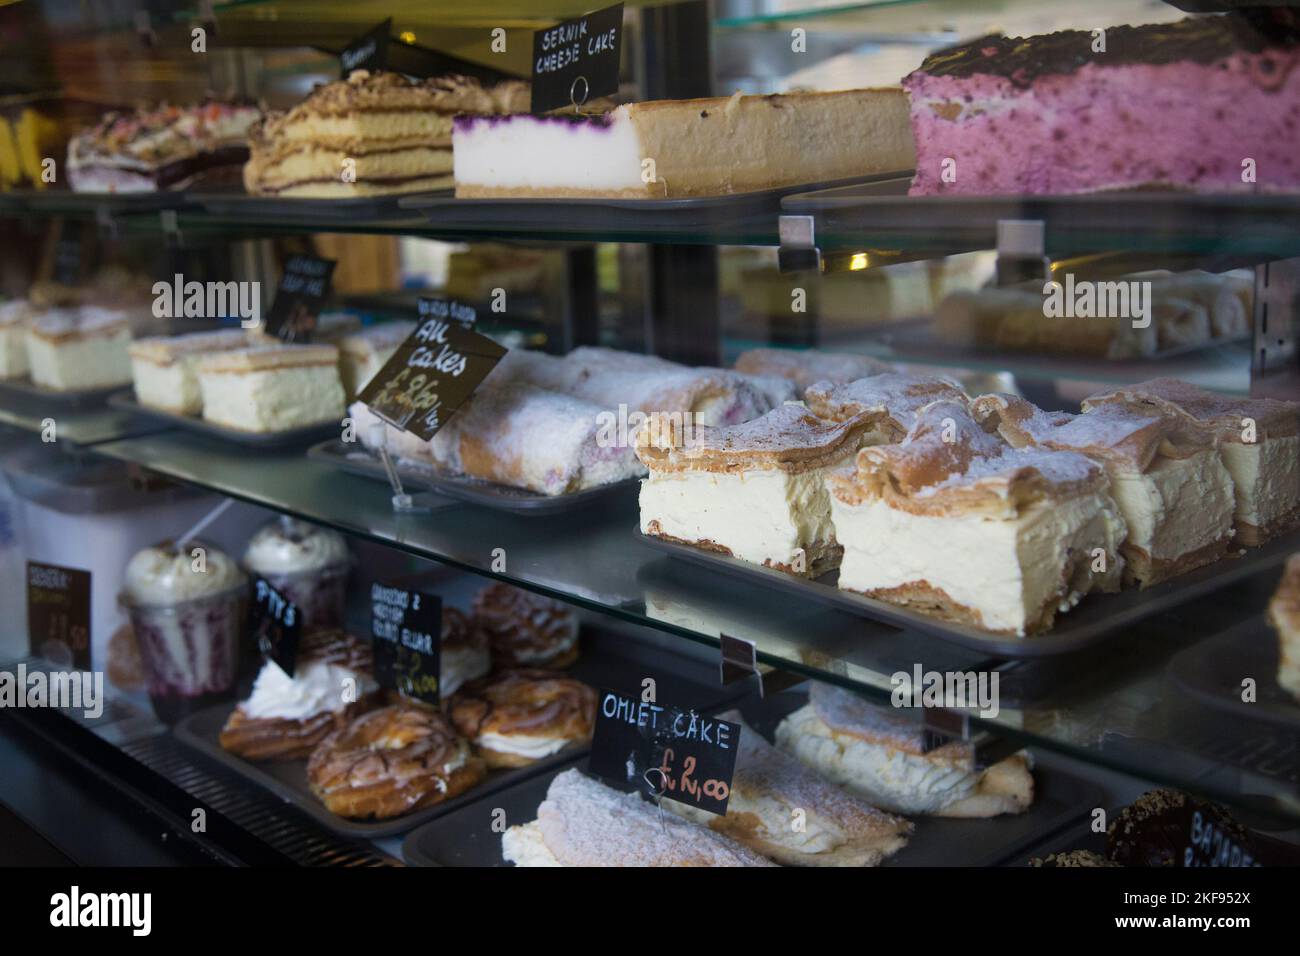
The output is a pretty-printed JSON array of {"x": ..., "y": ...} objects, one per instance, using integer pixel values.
[
  {"x": 258, "y": 358},
  {"x": 807, "y": 367},
  {"x": 526, "y": 629},
  {"x": 820, "y": 559},
  {"x": 278, "y": 738},
  {"x": 529, "y": 703},
  {"x": 392, "y": 761},
  {"x": 891, "y": 400},
  {"x": 1141, "y": 569},
  {"x": 1222, "y": 413}
]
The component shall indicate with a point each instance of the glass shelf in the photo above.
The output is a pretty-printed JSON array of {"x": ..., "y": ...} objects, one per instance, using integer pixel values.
[
  {"x": 1113, "y": 706},
  {"x": 80, "y": 426}
]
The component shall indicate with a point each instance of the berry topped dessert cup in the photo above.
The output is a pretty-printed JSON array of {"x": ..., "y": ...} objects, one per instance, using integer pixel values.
[
  {"x": 188, "y": 610},
  {"x": 307, "y": 564}
]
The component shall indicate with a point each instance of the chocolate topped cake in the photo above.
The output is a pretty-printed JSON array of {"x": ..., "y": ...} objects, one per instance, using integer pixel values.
[
  {"x": 1210, "y": 104},
  {"x": 1168, "y": 828}
]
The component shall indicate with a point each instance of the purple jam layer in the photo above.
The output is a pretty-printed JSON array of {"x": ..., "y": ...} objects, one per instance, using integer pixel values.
[
  {"x": 1105, "y": 123},
  {"x": 467, "y": 123}
]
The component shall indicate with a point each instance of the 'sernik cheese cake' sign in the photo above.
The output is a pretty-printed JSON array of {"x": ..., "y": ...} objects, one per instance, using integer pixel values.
[
  {"x": 577, "y": 60},
  {"x": 299, "y": 298},
  {"x": 434, "y": 372},
  {"x": 368, "y": 51}
]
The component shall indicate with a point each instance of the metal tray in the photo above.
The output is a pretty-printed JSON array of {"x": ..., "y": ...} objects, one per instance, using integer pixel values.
[
  {"x": 239, "y": 205},
  {"x": 473, "y": 490},
  {"x": 607, "y": 660},
  {"x": 467, "y": 838},
  {"x": 294, "y": 437},
  {"x": 59, "y": 201},
  {"x": 1212, "y": 671},
  {"x": 25, "y": 388},
  {"x": 642, "y": 216},
  {"x": 1097, "y": 618}
]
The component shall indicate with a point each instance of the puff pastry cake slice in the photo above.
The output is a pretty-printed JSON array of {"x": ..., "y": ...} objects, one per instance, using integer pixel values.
[
  {"x": 782, "y": 809},
  {"x": 582, "y": 822},
  {"x": 879, "y": 756}
]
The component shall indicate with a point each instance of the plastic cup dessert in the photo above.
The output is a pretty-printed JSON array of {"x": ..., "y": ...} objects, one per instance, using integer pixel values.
[
  {"x": 188, "y": 610},
  {"x": 307, "y": 564}
]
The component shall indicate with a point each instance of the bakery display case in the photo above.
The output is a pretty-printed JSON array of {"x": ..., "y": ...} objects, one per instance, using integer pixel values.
[{"x": 733, "y": 433}]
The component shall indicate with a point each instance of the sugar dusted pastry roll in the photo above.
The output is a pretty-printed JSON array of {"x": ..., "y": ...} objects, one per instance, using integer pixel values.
[
  {"x": 1166, "y": 476},
  {"x": 805, "y": 367},
  {"x": 1227, "y": 310},
  {"x": 878, "y": 754},
  {"x": 1259, "y": 440},
  {"x": 952, "y": 521},
  {"x": 767, "y": 789},
  {"x": 374, "y": 433},
  {"x": 1284, "y": 615},
  {"x": 527, "y": 437},
  {"x": 582, "y": 822},
  {"x": 890, "y": 401},
  {"x": 165, "y": 369},
  {"x": 755, "y": 491}
]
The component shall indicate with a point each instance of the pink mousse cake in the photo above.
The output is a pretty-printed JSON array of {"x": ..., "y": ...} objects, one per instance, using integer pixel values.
[{"x": 1172, "y": 105}]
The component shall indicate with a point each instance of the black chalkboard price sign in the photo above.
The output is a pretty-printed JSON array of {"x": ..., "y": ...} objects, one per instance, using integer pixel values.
[
  {"x": 406, "y": 634},
  {"x": 276, "y": 625},
  {"x": 434, "y": 372},
  {"x": 577, "y": 60},
  {"x": 368, "y": 51},
  {"x": 303, "y": 289},
  {"x": 58, "y": 613},
  {"x": 665, "y": 752}
]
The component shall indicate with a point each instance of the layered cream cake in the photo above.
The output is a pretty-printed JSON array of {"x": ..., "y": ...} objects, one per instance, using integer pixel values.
[
  {"x": 699, "y": 147},
  {"x": 1166, "y": 476},
  {"x": 364, "y": 352},
  {"x": 889, "y": 401},
  {"x": 1284, "y": 615},
  {"x": 165, "y": 369},
  {"x": 879, "y": 755},
  {"x": 271, "y": 388},
  {"x": 14, "y": 318},
  {"x": 755, "y": 491},
  {"x": 70, "y": 349},
  {"x": 370, "y": 134},
  {"x": 1259, "y": 440},
  {"x": 954, "y": 522}
]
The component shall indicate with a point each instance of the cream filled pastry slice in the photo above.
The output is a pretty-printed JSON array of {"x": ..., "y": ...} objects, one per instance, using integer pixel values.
[
  {"x": 770, "y": 786},
  {"x": 755, "y": 491},
  {"x": 806, "y": 367},
  {"x": 582, "y": 822},
  {"x": 165, "y": 369},
  {"x": 878, "y": 754},
  {"x": 1284, "y": 615},
  {"x": 519, "y": 716},
  {"x": 1259, "y": 441},
  {"x": 889, "y": 401},
  {"x": 700, "y": 147},
  {"x": 953, "y": 522},
  {"x": 70, "y": 349},
  {"x": 1166, "y": 476},
  {"x": 271, "y": 388},
  {"x": 14, "y": 317}
]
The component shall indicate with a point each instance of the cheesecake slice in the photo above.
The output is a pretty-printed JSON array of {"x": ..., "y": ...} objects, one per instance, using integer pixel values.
[
  {"x": 1165, "y": 471},
  {"x": 1259, "y": 441},
  {"x": 71, "y": 349},
  {"x": 954, "y": 522},
  {"x": 363, "y": 353},
  {"x": 755, "y": 491},
  {"x": 271, "y": 388},
  {"x": 700, "y": 147},
  {"x": 891, "y": 401},
  {"x": 1284, "y": 615},
  {"x": 14, "y": 319},
  {"x": 165, "y": 369}
]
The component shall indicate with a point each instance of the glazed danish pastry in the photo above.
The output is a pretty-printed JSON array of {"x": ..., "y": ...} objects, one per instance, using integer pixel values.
[
  {"x": 391, "y": 761},
  {"x": 526, "y": 629},
  {"x": 284, "y": 718},
  {"x": 517, "y": 717}
]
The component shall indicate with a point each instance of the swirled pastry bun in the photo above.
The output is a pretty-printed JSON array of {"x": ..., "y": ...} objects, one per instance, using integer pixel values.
[
  {"x": 879, "y": 756},
  {"x": 771, "y": 790},
  {"x": 517, "y": 717},
  {"x": 392, "y": 761},
  {"x": 582, "y": 822},
  {"x": 526, "y": 629},
  {"x": 464, "y": 651}
]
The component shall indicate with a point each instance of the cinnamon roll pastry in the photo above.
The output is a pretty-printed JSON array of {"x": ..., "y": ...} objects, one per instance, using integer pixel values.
[
  {"x": 392, "y": 761},
  {"x": 284, "y": 718},
  {"x": 465, "y": 653},
  {"x": 526, "y": 629},
  {"x": 517, "y": 717}
]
